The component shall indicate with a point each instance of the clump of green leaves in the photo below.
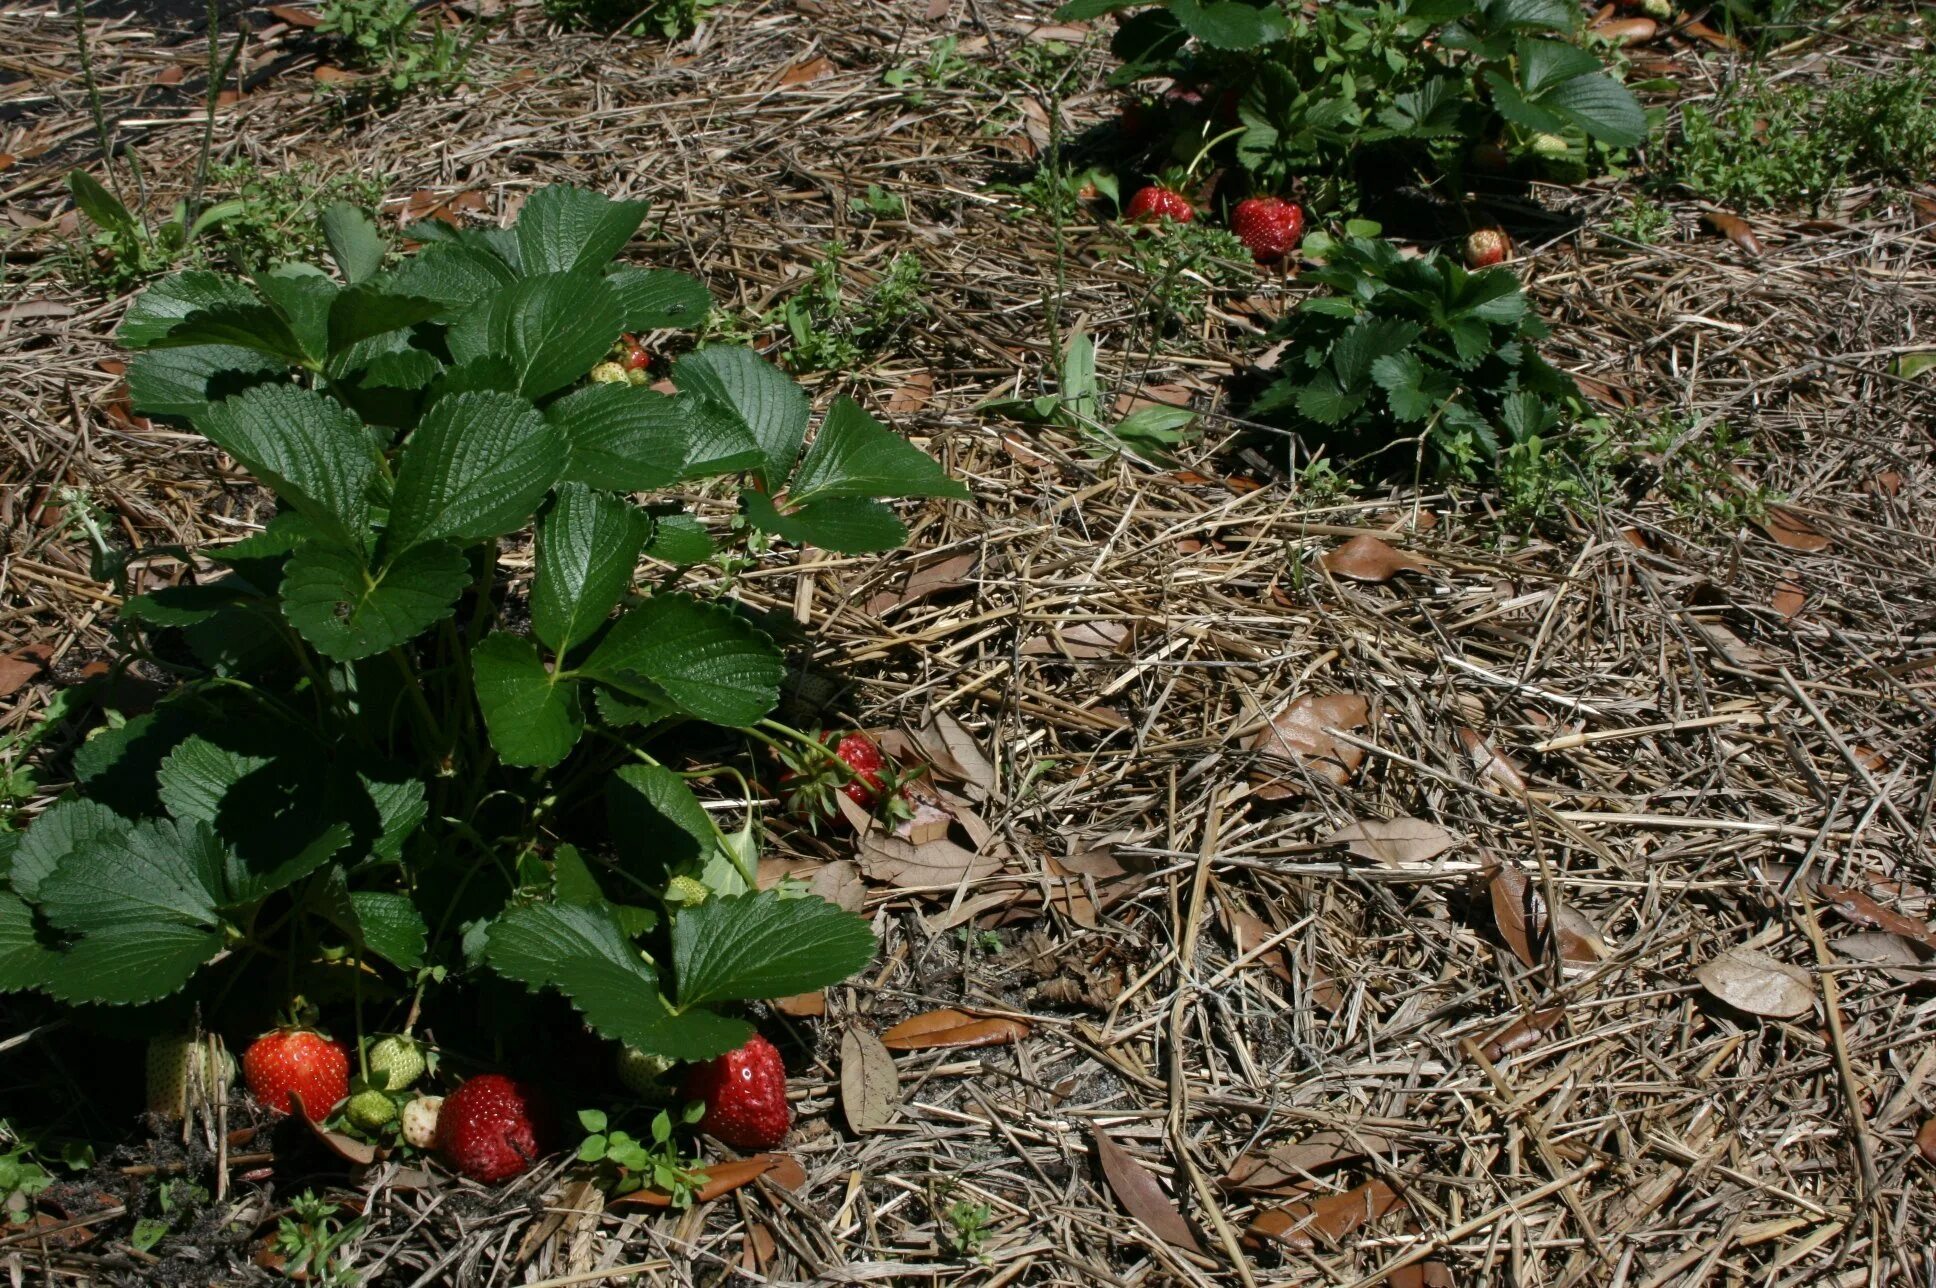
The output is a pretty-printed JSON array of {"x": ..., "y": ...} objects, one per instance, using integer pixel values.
[
  {"x": 669, "y": 19},
  {"x": 20, "y": 1179},
  {"x": 878, "y": 203},
  {"x": 389, "y": 39},
  {"x": 1335, "y": 95},
  {"x": 1701, "y": 473},
  {"x": 125, "y": 249},
  {"x": 1184, "y": 265},
  {"x": 1643, "y": 221},
  {"x": 375, "y": 752},
  {"x": 315, "y": 1246},
  {"x": 1415, "y": 362},
  {"x": 966, "y": 1226},
  {"x": 280, "y": 219},
  {"x": 829, "y": 334},
  {"x": 1076, "y": 405},
  {"x": 1793, "y": 144},
  {"x": 628, "y": 1164}
]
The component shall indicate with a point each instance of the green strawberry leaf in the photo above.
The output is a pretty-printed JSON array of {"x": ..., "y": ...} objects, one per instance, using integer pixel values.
[
  {"x": 562, "y": 228},
  {"x": 457, "y": 275},
  {"x": 656, "y": 823},
  {"x": 363, "y": 313},
  {"x": 855, "y": 456},
  {"x": 349, "y": 610},
  {"x": 588, "y": 549},
  {"x": 302, "y": 294},
  {"x": 158, "y": 312},
  {"x": 652, "y": 299},
  {"x": 745, "y": 947},
  {"x": 584, "y": 953},
  {"x": 1230, "y": 24},
  {"x": 385, "y": 923},
  {"x": 750, "y": 396},
  {"x": 24, "y": 961},
  {"x": 707, "y": 660},
  {"x": 552, "y": 329},
  {"x": 476, "y": 467},
  {"x": 307, "y": 446},
  {"x": 533, "y": 714},
  {"x": 128, "y": 965},
  {"x": 621, "y": 438},
  {"x": 678, "y": 539},
  {"x": 848, "y": 525},
  {"x": 66, "y": 826},
  {"x": 354, "y": 243},
  {"x": 272, "y": 811},
  {"x": 181, "y": 382}
]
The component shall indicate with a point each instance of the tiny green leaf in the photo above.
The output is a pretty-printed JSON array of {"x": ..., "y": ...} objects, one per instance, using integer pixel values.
[
  {"x": 353, "y": 240},
  {"x": 532, "y": 714}
]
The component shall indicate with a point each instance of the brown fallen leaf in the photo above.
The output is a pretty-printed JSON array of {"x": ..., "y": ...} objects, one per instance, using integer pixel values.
[
  {"x": 1523, "y": 1032},
  {"x": 1421, "y": 1274},
  {"x": 870, "y": 1085},
  {"x": 1330, "y": 1219},
  {"x": 721, "y": 1179},
  {"x": 759, "y": 1250},
  {"x": 911, "y": 395},
  {"x": 1720, "y": 40},
  {"x": 22, "y": 665},
  {"x": 928, "y": 579},
  {"x": 1300, "y": 736},
  {"x": 1502, "y": 770},
  {"x": 1863, "y": 910},
  {"x": 948, "y": 1027},
  {"x": 1926, "y": 1139},
  {"x": 1754, "y": 982},
  {"x": 1788, "y": 599},
  {"x": 348, "y": 1148},
  {"x": 1246, "y": 931},
  {"x": 802, "y": 1006},
  {"x": 1068, "y": 33},
  {"x": 1889, "y": 482},
  {"x": 1141, "y": 1195},
  {"x": 1519, "y": 910},
  {"x": 1627, "y": 31},
  {"x": 929, "y": 814},
  {"x": 1898, "y": 957},
  {"x": 938, "y": 864},
  {"x": 1734, "y": 228},
  {"x": 803, "y": 73},
  {"x": 1366, "y": 558},
  {"x": 1793, "y": 532},
  {"x": 1288, "y": 1165},
  {"x": 955, "y": 753},
  {"x": 297, "y": 17},
  {"x": 837, "y": 881},
  {"x": 1394, "y": 842},
  {"x": 1079, "y": 640}
]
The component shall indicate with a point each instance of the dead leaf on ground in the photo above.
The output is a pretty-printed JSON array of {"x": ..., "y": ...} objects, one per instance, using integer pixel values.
[
  {"x": 1497, "y": 767},
  {"x": 837, "y": 881},
  {"x": 1394, "y": 842},
  {"x": 1421, "y": 1274},
  {"x": 1519, "y": 910},
  {"x": 1754, "y": 982},
  {"x": 1300, "y": 734},
  {"x": 1247, "y": 930},
  {"x": 1863, "y": 910},
  {"x": 721, "y": 1179},
  {"x": 1141, "y": 1195},
  {"x": 870, "y": 1085},
  {"x": 1734, "y": 228},
  {"x": 1366, "y": 558},
  {"x": 1073, "y": 33},
  {"x": 1788, "y": 599},
  {"x": 308, "y": 19},
  {"x": 1898, "y": 957},
  {"x": 951, "y": 573},
  {"x": 348, "y": 1148},
  {"x": 1792, "y": 531},
  {"x": 949, "y": 1027},
  {"x": 1330, "y": 1219},
  {"x": 1287, "y": 1165},
  {"x": 803, "y": 73},
  {"x": 1926, "y": 1139},
  {"x": 1889, "y": 482},
  {"x": 937, "y": 864},
  {"x": 955, "y": 753},
  {"x": 1627, "y": 31},
  {"x": 329, "y": 75},
  {"x": 1524, "y": 1032},
  {"x": 22, "y": 665},
  {"x": 1079, "y": 640},
  {"x": 911, "y": 395},
  {"x": 929, "y": 814},
  {"x": 802, "y": 1006},
  {"x": 1720, "y": 40},
  {"x": 759, "y": 1250}
]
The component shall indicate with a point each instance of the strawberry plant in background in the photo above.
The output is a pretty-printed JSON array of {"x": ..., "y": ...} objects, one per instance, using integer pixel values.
[
  {"x": 383, "y": 777},
  {"x": 1416, "y": 362},
  {"x": 1336, "y": 97}
]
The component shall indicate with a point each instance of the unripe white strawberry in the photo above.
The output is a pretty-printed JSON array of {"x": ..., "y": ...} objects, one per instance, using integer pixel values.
[
  {"x": 1485, "y": 247},
  {"x": 420, "y": 1120},
  {"x": 640, "y": 1072},
  {"x": 1550, "y": 145},
  {"x": 610, "y": 373}
]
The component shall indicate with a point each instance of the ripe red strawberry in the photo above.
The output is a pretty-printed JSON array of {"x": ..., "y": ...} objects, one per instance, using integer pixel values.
[
  {"x": 1271, "y": 226},
  {"x": 492, "y": 1128},
  {"x": 745, "y": 1095},
  {"x": 1485, "y": 247},
  {"x": 635, "y": 357},
  {"x": 1158, "y": 202},
  {"x": 296, "y": 1060},
  {"x": 858, "y": 752},
  {"x": 811, "y": 779}
]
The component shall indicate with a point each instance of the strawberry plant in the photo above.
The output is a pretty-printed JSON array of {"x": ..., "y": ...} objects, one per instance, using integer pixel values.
[
  {"x": 1330, "y": 96},
  {"x": 1415, "y": 358},
  {"x": 388, "y": 770}
]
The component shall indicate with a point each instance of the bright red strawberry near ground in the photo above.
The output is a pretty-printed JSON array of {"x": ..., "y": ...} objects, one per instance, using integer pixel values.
[{"x": 1037, "y": 641}]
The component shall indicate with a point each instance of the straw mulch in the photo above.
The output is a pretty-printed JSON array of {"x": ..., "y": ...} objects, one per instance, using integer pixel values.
[{"x": 1692, "y": 732}]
